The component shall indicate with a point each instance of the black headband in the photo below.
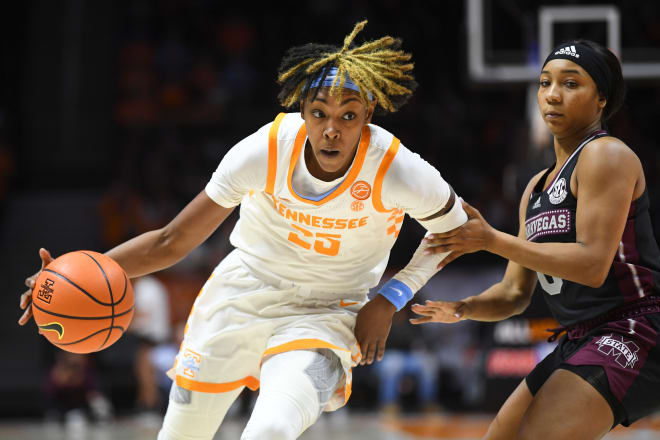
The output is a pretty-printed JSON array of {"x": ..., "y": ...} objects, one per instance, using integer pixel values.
[{"x": 587, "y": 58}]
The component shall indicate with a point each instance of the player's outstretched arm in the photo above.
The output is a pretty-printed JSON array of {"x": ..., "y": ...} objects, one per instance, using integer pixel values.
[
  {"x": 608, "y": 173},
  {"x": 161, "y": 248},
  {"x": 509, "y": 297},
  {"x": 154, "y": 250},
  {"x": 375, "y": 318}
]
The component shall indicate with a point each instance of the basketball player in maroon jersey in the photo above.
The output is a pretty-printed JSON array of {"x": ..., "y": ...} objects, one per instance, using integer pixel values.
[{"x": 586, "y": 237}]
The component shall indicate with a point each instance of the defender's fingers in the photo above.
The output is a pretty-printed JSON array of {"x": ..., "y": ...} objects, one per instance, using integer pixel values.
[
  {"x": 422, "y": 310},
  {"x": 445, "y": 307},
  {"x": 441, "y": 249},
  {"x": 449, "y": 258},
  {"x": 420, "y": 320},
  {"x": 439, "y": 235},
  {"x": 441, "y": 305},
  {"x": 432, "y": 306},
  {"x": 470, "y": 210}
]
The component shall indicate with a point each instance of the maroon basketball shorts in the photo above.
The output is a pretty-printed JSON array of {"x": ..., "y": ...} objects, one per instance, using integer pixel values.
[{"x": 621, "y": 359}]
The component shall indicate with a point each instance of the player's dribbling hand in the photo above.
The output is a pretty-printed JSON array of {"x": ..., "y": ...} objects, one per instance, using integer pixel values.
[
  {"x": 441, "y": 311},
  {"x": 474, "y": 235},
  {"x": 372, "y": 328},
  {"x": 26, "y": 297}
]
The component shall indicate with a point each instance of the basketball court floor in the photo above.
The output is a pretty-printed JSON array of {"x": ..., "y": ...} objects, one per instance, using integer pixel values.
[{"x": 341, "y": 425}]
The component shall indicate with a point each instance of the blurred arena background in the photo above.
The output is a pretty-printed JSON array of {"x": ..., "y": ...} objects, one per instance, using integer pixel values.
[{"x": 114, "y": 114}]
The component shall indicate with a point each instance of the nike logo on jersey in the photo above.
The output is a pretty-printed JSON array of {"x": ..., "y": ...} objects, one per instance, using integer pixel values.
[{"x": 343, "y": 303}]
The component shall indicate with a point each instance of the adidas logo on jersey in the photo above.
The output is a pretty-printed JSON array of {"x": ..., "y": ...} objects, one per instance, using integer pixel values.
[
  {"x": 537, "y": 204},
  {"x": 568, "y": 50}
]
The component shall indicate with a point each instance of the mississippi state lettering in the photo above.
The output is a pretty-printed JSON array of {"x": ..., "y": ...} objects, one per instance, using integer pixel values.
[
  {"x": 316, "y": 221},
  {"x": 557, "y": 221},
  {"x": 624, "y": 352}
]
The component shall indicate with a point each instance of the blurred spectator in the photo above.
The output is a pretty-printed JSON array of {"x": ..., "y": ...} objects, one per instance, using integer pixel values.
[
  {"x": 406, "y": 357},
  {"x": 120, "y": 211},
  {"x": 162, "y": 358},
  {"x": 7, "y": 172},
  {"x": 72, "y": 390},
  {"x": 457, "y": 347},
  {"x": 151, "y": 323}
]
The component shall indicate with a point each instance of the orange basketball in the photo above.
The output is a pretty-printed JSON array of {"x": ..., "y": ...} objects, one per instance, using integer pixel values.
[{"x": 82, "y": 302}]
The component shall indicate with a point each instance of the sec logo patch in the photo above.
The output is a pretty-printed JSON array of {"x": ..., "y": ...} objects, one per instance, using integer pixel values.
[
  {"x": 357, "y": 205},
  {"x": 361, "y": 190}
]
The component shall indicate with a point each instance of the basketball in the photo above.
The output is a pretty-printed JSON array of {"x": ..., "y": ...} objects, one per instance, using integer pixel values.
[{"x": 82, "y": 302}]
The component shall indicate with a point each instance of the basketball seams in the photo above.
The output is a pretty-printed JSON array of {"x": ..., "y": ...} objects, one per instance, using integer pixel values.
[
  {"x": 92, "y": 335},
  {"x": 77, "y": 275},
  {"x": 77, "y": 287},
  {"x": 123, "y": 293},
  {"x": 112, "y": 300},
  {"x": 80, "y": 317}
]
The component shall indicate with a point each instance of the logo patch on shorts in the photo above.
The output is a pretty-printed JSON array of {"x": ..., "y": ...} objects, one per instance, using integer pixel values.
[
  {"x": 190, "y": 362},
  {"x": 624, "y": 352}
]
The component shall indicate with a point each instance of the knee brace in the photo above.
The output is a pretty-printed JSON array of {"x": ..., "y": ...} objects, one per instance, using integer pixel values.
[{"x": 295, "y": 387}]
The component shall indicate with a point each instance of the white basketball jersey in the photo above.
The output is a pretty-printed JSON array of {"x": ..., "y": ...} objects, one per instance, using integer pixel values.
[{"x": 338, "y": 243}]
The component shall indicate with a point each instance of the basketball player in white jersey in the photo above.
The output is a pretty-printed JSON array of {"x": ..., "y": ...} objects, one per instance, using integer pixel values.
[{"x": 323, "y": 193}]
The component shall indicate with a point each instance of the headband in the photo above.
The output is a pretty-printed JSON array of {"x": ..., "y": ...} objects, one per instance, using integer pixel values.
[
  {"x": 330, "y": 79},
  {"x": 590, "y": 60}
]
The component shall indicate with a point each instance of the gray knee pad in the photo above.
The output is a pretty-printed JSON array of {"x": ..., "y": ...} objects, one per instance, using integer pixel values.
[
  {"x": 325, "y": 371},
  {"x": 295, "y": 388},
  {"x": 180, "y": 395}
]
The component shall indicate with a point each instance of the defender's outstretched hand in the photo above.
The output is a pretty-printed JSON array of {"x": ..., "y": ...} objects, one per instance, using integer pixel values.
[
  {"x": 474, "y": 235},
  {"x": 440, "y": 311},
  {"x": 26, "y": 297}
]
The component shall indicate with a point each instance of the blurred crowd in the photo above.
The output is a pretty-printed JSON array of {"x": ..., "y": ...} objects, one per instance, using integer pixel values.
[{"x": 193, "y": 78}]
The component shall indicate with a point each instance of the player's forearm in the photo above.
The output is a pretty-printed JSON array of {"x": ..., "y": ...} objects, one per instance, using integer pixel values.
[
  {"x": 146, "y": 253},
  {"x": 403, "y": 286},
  {"x": 500, "y": 301},
  {"x": 570, "y": 261}
]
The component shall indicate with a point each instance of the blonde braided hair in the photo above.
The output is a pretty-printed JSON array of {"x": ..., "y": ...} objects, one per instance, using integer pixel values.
[{"x": 378, "y": 67}]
